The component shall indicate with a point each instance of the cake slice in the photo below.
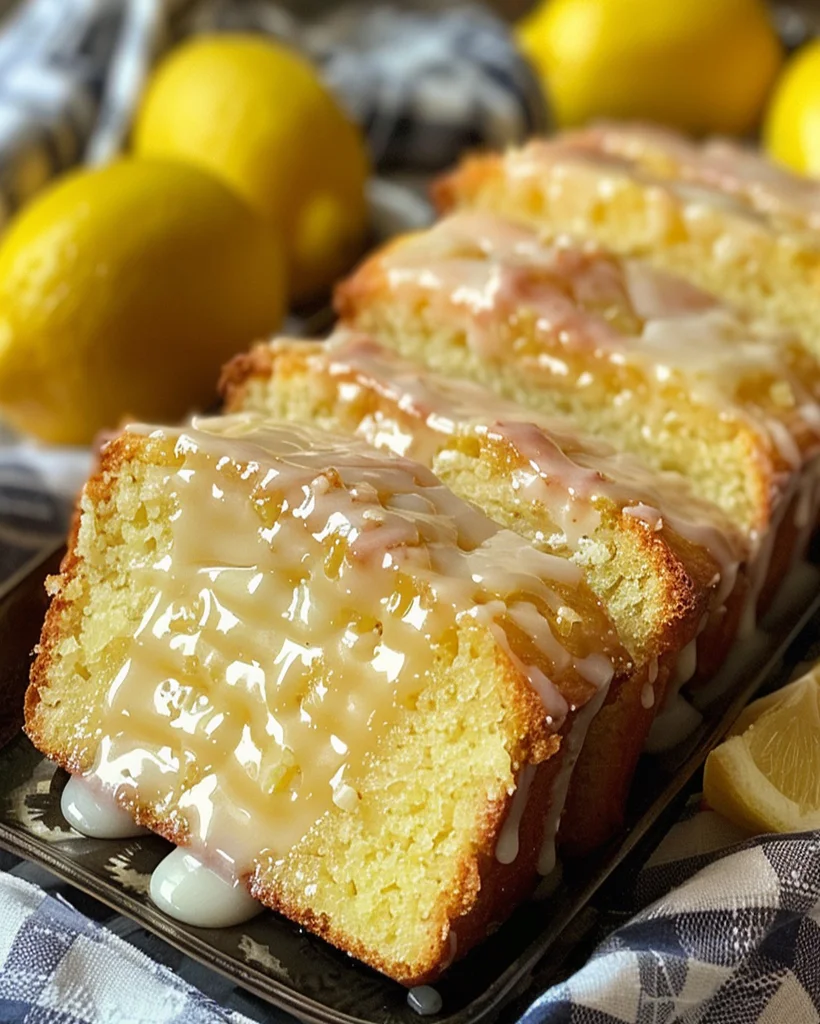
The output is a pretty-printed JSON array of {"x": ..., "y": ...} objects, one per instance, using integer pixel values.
[
  {"x": 324, "y": 673},
  {"x": 787, "y": 200},
  {"x": 717, "y": 214},
  {"x": 632, "y": 354},
  {"x": 666, "y": 565}
]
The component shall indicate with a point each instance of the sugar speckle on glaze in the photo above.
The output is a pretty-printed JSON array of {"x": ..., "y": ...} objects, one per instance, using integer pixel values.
[{"x": 568, "y": 474}]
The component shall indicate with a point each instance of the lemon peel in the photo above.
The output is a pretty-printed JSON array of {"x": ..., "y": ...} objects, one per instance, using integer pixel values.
[{"x": 701, "y": 65}]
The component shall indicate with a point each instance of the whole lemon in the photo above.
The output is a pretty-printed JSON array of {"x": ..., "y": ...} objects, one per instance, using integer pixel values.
[
  {"x": 698, "y": 65},
  {"x": 255, "y": 113},
  {"x": 122, "y": 291},
  {"x": 791, "y": 131}
]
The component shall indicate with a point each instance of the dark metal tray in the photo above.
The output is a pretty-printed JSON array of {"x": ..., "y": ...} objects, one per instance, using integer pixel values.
[{"x": 276, "y": 959}]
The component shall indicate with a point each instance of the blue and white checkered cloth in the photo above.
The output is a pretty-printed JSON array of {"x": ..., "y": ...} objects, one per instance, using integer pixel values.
[
  {"x": 728, "y": 936},
  {"x": 716, "y": 933},
  {"x": 59, "y": 967}
]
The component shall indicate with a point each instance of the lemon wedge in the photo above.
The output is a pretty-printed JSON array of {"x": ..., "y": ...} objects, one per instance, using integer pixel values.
[{"x": 766, "y": 776}]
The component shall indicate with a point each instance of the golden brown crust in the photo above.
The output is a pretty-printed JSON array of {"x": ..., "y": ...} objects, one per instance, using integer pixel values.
[
  {"x": 483, "y": 181},
  {"x": 366, "y": 282},
  {"x": 484, "y": 890},
  {"x": 600, "y": 784},
  {"x": 474, "y": 172},
  {"x": 506, "y": 885},
  {"x": 98, "y": 488},
  {"x": 368, "y": 289},
  {"x": 50, "y": 636},
  {"x": 688, "y": 572},
  {"x": 113, "y": 455},
  {"x": 770, "y": 474},
  {"x": 237, "y": 371}
]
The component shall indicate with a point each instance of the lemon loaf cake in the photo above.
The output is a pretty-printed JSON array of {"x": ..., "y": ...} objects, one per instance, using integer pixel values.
[
  {"x": 633, "y": 354},
  {"x": 714, "y": 213},
  {"x": 666, "y": 565},
  {"x": 325, "y": 674}
]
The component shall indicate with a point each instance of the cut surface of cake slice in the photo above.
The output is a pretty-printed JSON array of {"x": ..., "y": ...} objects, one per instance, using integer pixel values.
[
  {"x": 630, "y": 353},
  {"x": 716, "y": 214},
  {"x": 330, "y": 678},
  {"x": 664, "y": 563}
]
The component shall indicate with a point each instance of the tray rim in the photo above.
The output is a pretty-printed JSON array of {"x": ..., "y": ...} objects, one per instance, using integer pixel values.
[{"x": 492, "y": 999}]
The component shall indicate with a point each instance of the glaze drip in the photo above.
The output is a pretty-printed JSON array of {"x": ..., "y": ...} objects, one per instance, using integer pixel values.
[{"x": 718, "y": 167}]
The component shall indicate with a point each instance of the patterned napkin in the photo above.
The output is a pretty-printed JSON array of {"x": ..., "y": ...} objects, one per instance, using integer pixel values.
[
  {"x": 59, "y": 967},
  {"x": 720, "y": 936}
]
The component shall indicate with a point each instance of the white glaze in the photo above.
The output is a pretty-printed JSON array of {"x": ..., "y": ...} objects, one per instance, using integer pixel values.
[
  {"x": 482, "y": 271},
  {"x": 506, "y": 849},
  {"x": 723, "y": 173},
  {"x": 425, "y": 1000},
  {"x": 189, "y": 891},
  {"x": 324, "y": 539},
  {"x": 676, "y": 720},
  {"x": 797, "y": 590},
  {"x": 94, "y": 812},
  {"x": 573, "y": 745},
  {"x": 685, "y": 666},
  {"x": 571, "y": 476}
]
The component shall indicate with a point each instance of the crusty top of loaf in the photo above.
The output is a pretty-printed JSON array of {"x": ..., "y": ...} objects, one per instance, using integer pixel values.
[{"x": 580, "y": 469}]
